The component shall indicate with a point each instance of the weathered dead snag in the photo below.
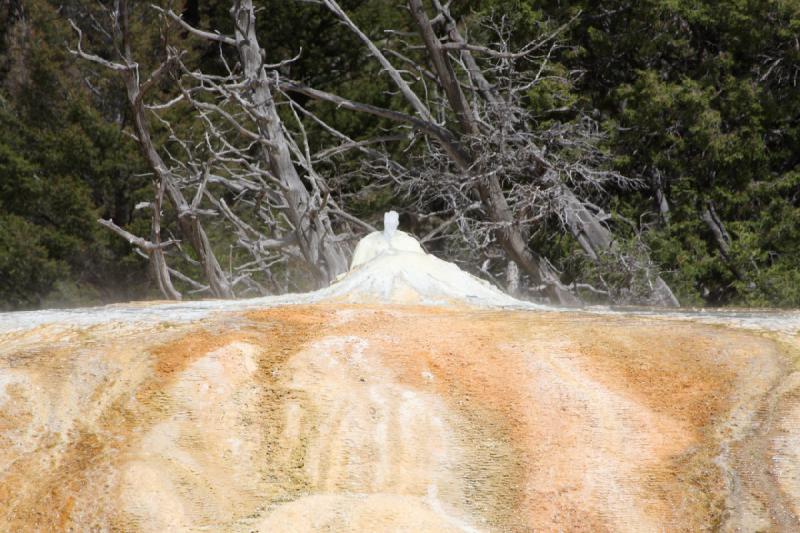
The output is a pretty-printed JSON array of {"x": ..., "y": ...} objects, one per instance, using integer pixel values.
[
  {"x": 474, "y": 158},
  {"x": 165, "y": 182},
  {"x": 488, "y": 147}
]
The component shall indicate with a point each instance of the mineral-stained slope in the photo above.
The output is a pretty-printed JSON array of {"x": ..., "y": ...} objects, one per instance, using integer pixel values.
[{"x": 370, "y": 417}]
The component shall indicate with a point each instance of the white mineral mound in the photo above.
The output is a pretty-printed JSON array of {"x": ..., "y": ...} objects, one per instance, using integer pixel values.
[
  {"x": 387, "y": 267},
  {"x": 392, "y": 267}
]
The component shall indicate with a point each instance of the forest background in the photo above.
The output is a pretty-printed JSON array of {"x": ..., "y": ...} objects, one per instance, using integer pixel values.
[{"x": 696, "y": 101}]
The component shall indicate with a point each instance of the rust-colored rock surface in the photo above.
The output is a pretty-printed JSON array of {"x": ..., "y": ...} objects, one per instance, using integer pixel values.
[{"x": 325, "y": 417}]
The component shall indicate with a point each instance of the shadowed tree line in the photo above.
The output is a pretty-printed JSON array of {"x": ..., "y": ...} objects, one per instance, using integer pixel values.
[{"x": 622, "y": 152}]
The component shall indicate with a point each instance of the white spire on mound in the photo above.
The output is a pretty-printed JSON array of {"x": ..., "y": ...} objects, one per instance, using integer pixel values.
[
  {"x": 391, "y": 266},
  {"x": 377, "y": 243},
  {"x": 391, "y": 221}
]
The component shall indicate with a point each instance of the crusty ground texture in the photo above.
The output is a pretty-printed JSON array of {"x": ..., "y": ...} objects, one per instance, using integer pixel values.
[{"x": 399, "y": 418}]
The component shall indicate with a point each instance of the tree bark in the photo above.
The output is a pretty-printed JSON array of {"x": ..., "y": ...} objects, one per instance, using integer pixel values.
[
  {"x": 312, "y": 226},
  {"x": 721, "y": 237},
  {"x": 592, "y": 235},
  {"x": 491, "y": 193},
  {"x": 595, "y": 238},
  {"x": 188, "y": 222},
  {"x": 512, "y": 278},
  {"x": 157, "y": 259},
  {"x": 154, "y": 251}
]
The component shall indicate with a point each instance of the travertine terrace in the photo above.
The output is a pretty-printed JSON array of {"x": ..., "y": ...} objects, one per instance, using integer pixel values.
[{"x": 345, "y": 413}]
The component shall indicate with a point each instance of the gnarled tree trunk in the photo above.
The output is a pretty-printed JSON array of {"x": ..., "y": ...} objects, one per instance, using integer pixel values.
[{"x": 312, "y": 227}]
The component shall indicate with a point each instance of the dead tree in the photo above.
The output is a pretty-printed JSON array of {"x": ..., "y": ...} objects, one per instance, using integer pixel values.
[
  {"x": 277, "y": 208},
  {"x": 257, "y": 157},
  {"x": 481, "y": 113},
  {"x": 261, "y": 104},
  {"x": 190, "y": 225},
  {"x": 308, "y": 214},
  {"x": 499, "y": 181},
  {"x": 722, "y": 239}
]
